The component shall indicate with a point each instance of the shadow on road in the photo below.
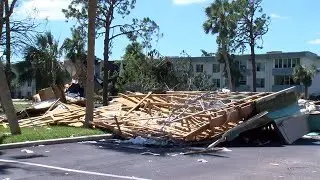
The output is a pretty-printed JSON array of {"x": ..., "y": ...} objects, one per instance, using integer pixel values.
[
  {"x": 32, "y": 156},
  {"x": 307, "y": 142},
  {"x": 161, "y": 151},
  {"x": 4, "y": 169}
]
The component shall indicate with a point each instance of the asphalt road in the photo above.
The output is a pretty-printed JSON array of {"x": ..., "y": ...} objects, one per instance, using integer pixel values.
[{"x": 104, "y": 160}]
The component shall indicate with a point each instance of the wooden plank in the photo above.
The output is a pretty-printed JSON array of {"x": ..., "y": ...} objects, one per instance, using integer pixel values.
[
  {"x": 138, "y": 104},
  {"x": 193, "y": 134}
]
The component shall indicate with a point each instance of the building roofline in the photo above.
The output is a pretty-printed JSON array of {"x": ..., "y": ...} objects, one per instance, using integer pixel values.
[{"x": 260, "y": 55}]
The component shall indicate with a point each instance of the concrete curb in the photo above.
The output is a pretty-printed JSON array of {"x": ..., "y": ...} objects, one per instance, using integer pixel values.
[{"x": 55, "y": 141}]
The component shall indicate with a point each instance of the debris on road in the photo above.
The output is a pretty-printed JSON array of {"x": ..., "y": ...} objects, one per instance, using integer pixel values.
[
  {"x": 202, "y": 160},
  {"x": 144, "y": 141},
  {"x": 274, "y": 164},
  {"x": 150, "y": 153},
  {"x": 27, "y": 151}
]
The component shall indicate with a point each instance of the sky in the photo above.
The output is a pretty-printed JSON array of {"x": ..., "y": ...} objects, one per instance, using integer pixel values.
[{"x": 295, "y": 25}]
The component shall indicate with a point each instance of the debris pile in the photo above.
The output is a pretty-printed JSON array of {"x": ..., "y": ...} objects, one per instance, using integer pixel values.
[
  {"x": 185, "y": 116},
  {"x": 180, "y": 116}
]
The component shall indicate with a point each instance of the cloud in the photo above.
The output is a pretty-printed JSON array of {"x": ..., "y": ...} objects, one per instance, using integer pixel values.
[
  {"x": 315, "y": 41},
  {"x": 188, "y": 2},
  {"x": 51, "y": 9},
  {"x": 277, "y": 16}
]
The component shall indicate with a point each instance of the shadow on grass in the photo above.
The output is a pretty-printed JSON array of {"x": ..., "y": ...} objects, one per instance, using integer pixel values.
[{"x": 2, "y": 138}]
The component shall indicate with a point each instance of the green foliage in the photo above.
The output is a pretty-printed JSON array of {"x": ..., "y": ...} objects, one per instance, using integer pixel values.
[
  {"x": 304, "y": 75},
  {"x": 252, "y": 23},
  {"x": 145, "y": 73},
  {"x": 203, "y": 82},
  {"x": 221, "y": 20},
  {"x": 107, "y": 11},
  {"x": 74, "y": 47},
  {"x": 41, "y": 63},
  {"x": 141, "y": 73}
]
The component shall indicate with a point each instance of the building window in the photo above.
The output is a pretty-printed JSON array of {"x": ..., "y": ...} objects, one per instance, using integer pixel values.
[
  {"x": 216, "y": 83},
  {"x": 19, "y": 94},
  {"x": 243, "y": 66},
  {"x": 199, "y": 68},
  {"x": 278, "y": 63},
  {"x": 215, "y": 68},
  {"x": 260, "y": 67},
  {"x": 295, "y": 61},
  {"x": 29, "y": 83},
  {"x": 260, "y": 83},
  {"x": 284, "y": 80},
  {"x": 289, "y": 63},
  {"x": 29, "y": 94},
  {"x": 243, "y": 80},
  {"x": 286, "y": 63}
]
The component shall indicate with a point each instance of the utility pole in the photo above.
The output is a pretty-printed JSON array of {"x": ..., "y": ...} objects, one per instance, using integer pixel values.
[{"x": 92, "y": 11}]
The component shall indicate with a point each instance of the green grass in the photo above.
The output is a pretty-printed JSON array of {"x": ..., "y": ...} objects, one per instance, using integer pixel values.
[
  {"x": 43, "y": 133},
  {"x": 19, "y": 106}
]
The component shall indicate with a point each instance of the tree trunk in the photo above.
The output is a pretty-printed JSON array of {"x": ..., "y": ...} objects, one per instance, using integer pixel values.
[
  {"x": 226, "y": 59},
  {"x": 5, "y": 95},
  {"x": 90, "y": 62},
  {"x": 254, "y": 69},
  {"x": 306, "y": 95},
  {"x": 8, "y": 45},
  {"x": 105, "y": 68},
  {"x": 6, "y": 102}
]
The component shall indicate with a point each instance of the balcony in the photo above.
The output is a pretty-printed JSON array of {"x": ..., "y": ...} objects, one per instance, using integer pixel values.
[
  {"x": 276, "y": 88},
  {"x": 282, "y": 71}
]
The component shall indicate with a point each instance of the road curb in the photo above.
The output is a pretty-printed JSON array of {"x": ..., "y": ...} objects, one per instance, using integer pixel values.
[{"x": 55, "y": 141}]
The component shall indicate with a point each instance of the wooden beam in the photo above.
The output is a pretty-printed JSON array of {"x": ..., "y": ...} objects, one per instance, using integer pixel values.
[{"x": 138, "y": 104}]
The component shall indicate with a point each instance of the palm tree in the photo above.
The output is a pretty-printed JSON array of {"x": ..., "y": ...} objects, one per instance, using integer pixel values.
[
  {"x": 222, "y": 21},
  {"x": 41, "y": 63},
  {"x": 74, "y": 49},
  {"x": 304, "y": 75}
]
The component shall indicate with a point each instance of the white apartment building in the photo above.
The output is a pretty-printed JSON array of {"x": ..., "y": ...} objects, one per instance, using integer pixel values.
[
  {"x": 26, "y": 90},
  {"x": 274, "y": 70}
]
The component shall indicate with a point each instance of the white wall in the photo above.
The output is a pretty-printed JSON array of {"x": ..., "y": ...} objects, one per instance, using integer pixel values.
[{"x": 25, "y": 89}]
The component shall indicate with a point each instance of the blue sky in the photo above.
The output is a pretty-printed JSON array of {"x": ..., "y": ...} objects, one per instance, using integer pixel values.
[{"x": 295, "y": 25}]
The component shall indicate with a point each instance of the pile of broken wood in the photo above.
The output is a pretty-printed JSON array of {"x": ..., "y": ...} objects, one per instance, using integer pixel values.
[{"x": 186, "y": 116}]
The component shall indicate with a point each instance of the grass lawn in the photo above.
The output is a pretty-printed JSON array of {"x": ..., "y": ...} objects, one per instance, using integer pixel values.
[
  {"x": 19, "y": 105},
  {"x": 43, "y": 133}
]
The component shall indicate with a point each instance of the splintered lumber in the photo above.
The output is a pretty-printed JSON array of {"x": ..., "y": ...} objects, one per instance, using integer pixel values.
[
  {"x": 182, "y": 115},
  {"x": 138, "y": 104}
]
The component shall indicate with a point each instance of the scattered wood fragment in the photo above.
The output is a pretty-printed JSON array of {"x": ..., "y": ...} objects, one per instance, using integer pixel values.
[{"x": 183, "y": 116}]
